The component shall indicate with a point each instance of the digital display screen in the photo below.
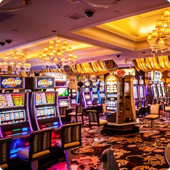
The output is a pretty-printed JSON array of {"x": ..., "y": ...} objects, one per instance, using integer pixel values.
[
  {"x": 95, "y": 96},
  {"x": 87, "y": 90},
  {"x": 87, "y": 83},
  {"x": 63, "y": 91},
  {"x": 101, "y": 89},
  {"x": 135, "y": 92},
  {"x": 14, "y": 116},
  {"x": 127, "y": 88},
  {"x": 141, "y": 92},
  {"x": 89, "y": 103},
  {"x": 11, "y": 100},
  {"x": 63, "y": 103},
  {"x": 45, "y": 98},
  {"x": 11, "y": 82},
  {"x": 94, "y": 89},
  {"x": 87, "y": 97},
  {"x": 44, "y": 83},
  {"x": 73, "y": 101},
  {"x": 102, "y": 95},
  {"x": 45, "y": 112}
]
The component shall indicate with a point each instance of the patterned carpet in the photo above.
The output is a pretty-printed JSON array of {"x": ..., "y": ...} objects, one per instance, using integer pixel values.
[{"x": 143, "y": 151}]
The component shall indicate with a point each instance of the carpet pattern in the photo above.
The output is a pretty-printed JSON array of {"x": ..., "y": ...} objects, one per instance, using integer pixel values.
[{"x": 142, "y": 151}]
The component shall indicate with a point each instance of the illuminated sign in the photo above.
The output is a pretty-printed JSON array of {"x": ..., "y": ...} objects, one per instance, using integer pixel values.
[
  {"x": 11, "y": 82},
  {"x": 58, "y": 76},
  {"x": 124, "y": 72},
  {"x": 45, "y": 83}
]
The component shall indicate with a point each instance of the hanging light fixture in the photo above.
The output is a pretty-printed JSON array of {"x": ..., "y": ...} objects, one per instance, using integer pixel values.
[
  {"x": 159, "y": 39},
  {"x": 15, "y": 59},
  {"x": 57, "y": 54}
]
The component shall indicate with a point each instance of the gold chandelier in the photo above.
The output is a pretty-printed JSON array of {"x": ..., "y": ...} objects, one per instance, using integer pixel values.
[
  {"x": 159, "y": 39},
  {"x": 57, "y": 54},
  {"x": 15, "y": 59}
]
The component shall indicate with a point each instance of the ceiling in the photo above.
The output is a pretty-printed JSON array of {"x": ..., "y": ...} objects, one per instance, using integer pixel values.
[{"x": 119, "y": 29}]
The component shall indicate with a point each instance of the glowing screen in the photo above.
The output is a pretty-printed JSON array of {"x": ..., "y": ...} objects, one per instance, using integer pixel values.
[
  {"x": 45, "y": 112},
  {"x": 135, "y": 92},
  {"x": 45, "y": 98}
]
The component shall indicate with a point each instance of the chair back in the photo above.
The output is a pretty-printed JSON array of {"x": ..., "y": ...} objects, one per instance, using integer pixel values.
[
  {"x": 139, "y": 104},
  {"x": 40, "y": 143},
  {"x": 79, "y": 109},
  {"x": 94, "y": 103},
  {"x": 154, "y": 109},
  {"x": 93, "y": 116},
  {"x": 4, "y": 152},
  {"x": 71, "y": 135},
  {"x": 108, "y": 160},
  {"x": 146, "y": 103},
  {"x": 63, "y": 111},
  {"x": 103, "y": 101}
]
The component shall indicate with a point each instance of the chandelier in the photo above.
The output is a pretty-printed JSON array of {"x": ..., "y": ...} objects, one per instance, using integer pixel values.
[
  {"x": 57, "y": 54},
  {"x": 159, "y": 39},
  {"x": 16, "y": 60}
]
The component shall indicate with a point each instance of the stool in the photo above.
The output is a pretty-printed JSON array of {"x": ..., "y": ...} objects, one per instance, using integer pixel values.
[
  {"x": 40, "y": 145},
  {"x": 154, "y": 114},
  {"x": 5, "y": 153},
  {"x": 94, "y": 121}
]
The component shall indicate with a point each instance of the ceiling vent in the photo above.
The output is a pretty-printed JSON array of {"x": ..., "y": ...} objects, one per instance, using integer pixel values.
[
  {"x": 75, "y": 16},
  {"x": 6, "y": 16}
]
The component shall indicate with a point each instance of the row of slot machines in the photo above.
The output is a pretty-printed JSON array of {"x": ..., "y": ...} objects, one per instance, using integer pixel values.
[
  {"x": 34, "y": 106},
  {"x": 93, "y": 91}
]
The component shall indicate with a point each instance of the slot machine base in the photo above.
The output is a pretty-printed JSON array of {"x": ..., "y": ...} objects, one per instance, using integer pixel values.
[{"x": 120, "y": 129}]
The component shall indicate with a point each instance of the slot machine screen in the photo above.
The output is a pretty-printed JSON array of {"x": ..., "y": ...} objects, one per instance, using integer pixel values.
[
  {"x": 135, "y": 92},
  {"x": 141, "y": 92},
  {"x": 63, "y": 91},
  {"x": 89, "y": 103},
  {"x": 63, "y": 103},
  {"x": 45, "y": 98},
  {"x": 14, "y": 116},
  {"x": 73, "y": 90},
  {"x": 102, "y": 95},
  {"x": 95, "y": 96},
  {"x": 127, "y": 88},
  {"x": 94, "y": 89},
  {"x": 73, "y": 101},
  {"x": 45, "y": 112},
  {"x": 87, "y": 97},
  {"x": 87, "y": 90},
  {"x": 101, "y": 89},
  {"x": 11, "y": 100}
]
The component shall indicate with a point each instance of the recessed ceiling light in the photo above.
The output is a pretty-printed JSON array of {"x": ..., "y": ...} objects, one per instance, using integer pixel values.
[
  {"x": 143, "y": 52},
  {"x": 54, "y": 31},
  {"x": 15, "y": 37}
]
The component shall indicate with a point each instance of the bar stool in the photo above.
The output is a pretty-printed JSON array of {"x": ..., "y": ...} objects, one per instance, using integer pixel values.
[
  {"x": 4, "y": 153},
  {"x": 108, "y": 161},
  {"x": 94, "y": 121},
  {"x": 154, "y": 114},
  {"x": 40, "y": 145},
  {"x": 79, "y": 112},
  {"x": 167, "y": 110},
  {"x": 70, "y": 138},
  {"x": 63, "y": 113}
]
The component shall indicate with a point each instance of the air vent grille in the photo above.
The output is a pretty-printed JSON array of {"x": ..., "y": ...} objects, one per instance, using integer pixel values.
[
  {"x": 74, "y": 1},
  {"x": 5, "y": 16},
  {"x": 74, "y": 16}
]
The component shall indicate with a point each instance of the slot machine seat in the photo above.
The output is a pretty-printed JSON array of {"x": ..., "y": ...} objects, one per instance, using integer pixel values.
[
  {"x": 5, "y": 153},
  {"x": 154, "y": 114},
  {"x": 40, "y": 145},
  {"x": 78, "y": 112},
  {"x": 108, "y": 161},
  {"x": 94, "y": 121},
  {"x": 70, "y": 138}
]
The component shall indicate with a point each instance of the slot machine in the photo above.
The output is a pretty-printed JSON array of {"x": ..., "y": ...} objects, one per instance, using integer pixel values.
[
  {"x": 87, "y": 93},
  {"x": 163, "y": 90},
  {"x": 135, "y": 91},
  {"x": 95, "y": 92},
  {"x": 43, "y": 103},
  {"x": 73, "y": 96},
  {"x": 15, "y": 119},
  {"x": 101, "y": 91},
  {"x": 111, "y": 93},
  {"x": 160, "y": 94},
  {"x": 141, "y": 90}
]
